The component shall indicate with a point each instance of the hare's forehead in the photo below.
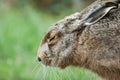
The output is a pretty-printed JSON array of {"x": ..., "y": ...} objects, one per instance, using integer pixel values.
[{"x": 56, "y": 27}]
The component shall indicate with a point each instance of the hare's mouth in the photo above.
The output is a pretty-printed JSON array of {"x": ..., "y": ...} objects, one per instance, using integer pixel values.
[
  {"x": 46, "y": 61},
  {"x": 53, "y": 61},
  {"x": 49, "y": 61}
]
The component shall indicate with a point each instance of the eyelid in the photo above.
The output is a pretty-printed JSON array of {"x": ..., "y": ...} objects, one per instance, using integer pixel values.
[{"x": 52, "y": 38}]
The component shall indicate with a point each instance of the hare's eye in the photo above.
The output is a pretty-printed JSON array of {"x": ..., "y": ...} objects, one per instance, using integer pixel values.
[{"x": 52, "y": 38}]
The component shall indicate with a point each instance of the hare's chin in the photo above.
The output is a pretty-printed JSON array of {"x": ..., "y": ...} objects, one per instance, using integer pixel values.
[
  {"x": 53, "y": 63},
  {"x": 62, "y": 66},
  {"x": 48, "y": 62}
]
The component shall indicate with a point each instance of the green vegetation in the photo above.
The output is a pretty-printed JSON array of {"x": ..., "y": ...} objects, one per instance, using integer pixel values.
[{"x": 20, "y": 34}]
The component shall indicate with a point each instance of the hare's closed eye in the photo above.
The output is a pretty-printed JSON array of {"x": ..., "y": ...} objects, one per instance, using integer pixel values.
[{"x": 53, "y": 38}]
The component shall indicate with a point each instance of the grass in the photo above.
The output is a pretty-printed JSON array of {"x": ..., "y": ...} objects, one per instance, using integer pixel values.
[{"x": 20, "y": 33}]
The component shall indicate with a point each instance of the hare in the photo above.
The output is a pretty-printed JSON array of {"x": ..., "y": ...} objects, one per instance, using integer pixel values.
[{"x": 89, "y": 39}]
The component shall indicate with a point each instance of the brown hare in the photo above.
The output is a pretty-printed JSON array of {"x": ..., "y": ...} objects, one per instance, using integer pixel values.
[{"x": 89, "y": 39}]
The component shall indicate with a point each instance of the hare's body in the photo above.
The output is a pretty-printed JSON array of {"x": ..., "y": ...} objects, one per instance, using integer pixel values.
[
  {"x": 100, "y": 47},
  {"x": 96, "y": 47}
]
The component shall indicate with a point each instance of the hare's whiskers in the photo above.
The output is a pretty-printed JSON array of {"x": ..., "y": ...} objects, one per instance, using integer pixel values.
[
  {"x": 35, "y": 68},
  {"x": 38, "y": 71}
]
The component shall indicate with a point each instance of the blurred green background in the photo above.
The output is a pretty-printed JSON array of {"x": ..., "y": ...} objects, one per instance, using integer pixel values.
[{"x": 22, "y": 25}]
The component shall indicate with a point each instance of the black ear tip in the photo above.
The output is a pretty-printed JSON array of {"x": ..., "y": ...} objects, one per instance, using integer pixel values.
[{"x": 109, "y": 4}]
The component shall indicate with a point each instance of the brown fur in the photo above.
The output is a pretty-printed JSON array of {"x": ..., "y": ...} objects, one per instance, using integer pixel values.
[{"x": 97, "y": 47}]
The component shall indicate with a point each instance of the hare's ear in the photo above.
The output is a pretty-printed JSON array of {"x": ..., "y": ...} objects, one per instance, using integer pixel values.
[
  {"x": 99, "y": 13},
  {"x": 118, "y": 1}
]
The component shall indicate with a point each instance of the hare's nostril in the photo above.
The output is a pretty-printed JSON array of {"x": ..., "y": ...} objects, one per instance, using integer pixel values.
[{"x": 39, "y": 59}]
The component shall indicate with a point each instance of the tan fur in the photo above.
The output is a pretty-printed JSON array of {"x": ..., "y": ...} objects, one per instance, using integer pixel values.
[{"x": 97, "y": 47}]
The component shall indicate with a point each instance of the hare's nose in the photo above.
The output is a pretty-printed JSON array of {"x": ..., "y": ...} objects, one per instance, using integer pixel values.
[
  {"x": 39, "y": 59},
  {"x": 41, "y": 56}
]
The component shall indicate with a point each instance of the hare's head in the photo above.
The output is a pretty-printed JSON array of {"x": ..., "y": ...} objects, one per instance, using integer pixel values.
[{"x": 59, "y": 44}]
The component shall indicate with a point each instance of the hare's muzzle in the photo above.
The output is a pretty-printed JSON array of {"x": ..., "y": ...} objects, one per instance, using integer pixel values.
[{"x": 41, "y": 56}]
